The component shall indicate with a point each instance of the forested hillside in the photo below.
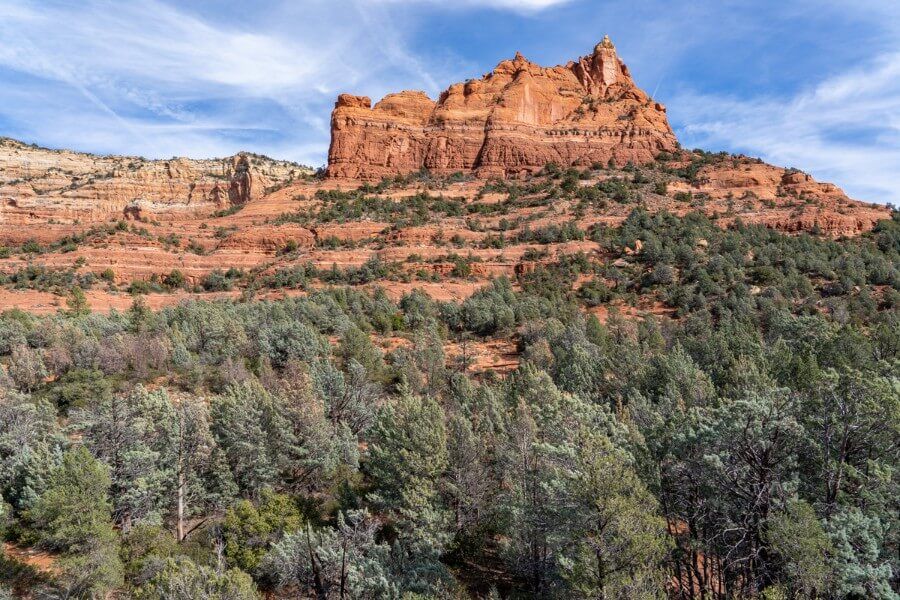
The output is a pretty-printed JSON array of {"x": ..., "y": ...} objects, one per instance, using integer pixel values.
[{"x": 709, "y": 413}]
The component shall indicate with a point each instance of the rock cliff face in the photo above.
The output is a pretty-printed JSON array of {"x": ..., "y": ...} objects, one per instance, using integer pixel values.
[
  {"x": 66, "y": 185},
  {"x": 512, "y": 121}
]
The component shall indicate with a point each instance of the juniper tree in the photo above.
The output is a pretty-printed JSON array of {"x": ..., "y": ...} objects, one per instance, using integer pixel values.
[
  {"x": 798, "y": 541},
  {"x": 30, "y": 446},
  {"x": 350, "y": 397},
  {"x": 26, "y": 367},
  {"x": 73, "y": 516},
  {"x": 408, "y": 458},
  {"x": 131, "y": 433},
  {"x": 249, "y": 529},
  {"x": 618, "y": 541},
  {"x": 344, "y": 562},
  {"x": 190, "y": 452},
  {"x": 538, "y": 462},
  {"x": 862, "y": 569},
  {"x": 182, "y": 579},
  {"x": 244, "y": 419}
]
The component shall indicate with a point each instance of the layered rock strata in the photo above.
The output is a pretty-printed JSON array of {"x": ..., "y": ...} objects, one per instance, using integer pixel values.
[
  {"x": 512, "y": 121},
  {"x": 64, "y": 185}
]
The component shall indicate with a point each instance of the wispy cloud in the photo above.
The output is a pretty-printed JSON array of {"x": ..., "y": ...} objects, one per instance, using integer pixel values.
[
  {"x": 141, "y": 66},
  {"x": 152, "y": 40},
  {"x": 845, "y": 129}
]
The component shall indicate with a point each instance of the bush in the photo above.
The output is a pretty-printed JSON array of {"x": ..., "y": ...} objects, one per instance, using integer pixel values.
[
  {"x": 248, "y": 529},
  {"x": 182, "y": 579},
  {"x": 78, "y": 388},
  {"x": 175, "y": 279},
  {"x": 595, "y": 292},
  {"x": 26, "y": 367},
  {"x": 216, "y": 281},
  {"x": 284, "y": 341}
]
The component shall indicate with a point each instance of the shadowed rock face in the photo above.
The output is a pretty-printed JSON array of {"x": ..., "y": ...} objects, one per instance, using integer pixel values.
[{"x": 512, "y": 121}]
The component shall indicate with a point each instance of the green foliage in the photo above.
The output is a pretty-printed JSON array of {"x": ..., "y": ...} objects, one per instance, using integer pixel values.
[
  {"x": 30, "y": 444},
  {"x": 340, "y": 436},
  {"x": 356, "y": 345},
  {"x": 595, "y": 292},
  {"x": 77, "y": 302},
  {"x": 130, "y": 434},
  {"x": 619, "y": 540},
  {"x": 248, "y": 427},
  {"x": 408, "y": 455},
  {"x": 77, "y": 388},
  {"x": 174, "y": 280},
  {"x": 287, "y": 341},
  {"x": 797, "y": 537},
  {"x": 73, "y": 516},
  {"x": 338, "y": 206},
  {"x": 487, "y": 311},
  {"x": 861, "y": 568},
  {"x": 26, "y": 368},
  {"x": 74, "y": 511},
  {"x": 249, "y": 529},
  {"x": 145, "y": 548},
  {"x": 182, "y": 579},
  {"x": 341, "y": 562},
  {"x": 217, "y": 281}
]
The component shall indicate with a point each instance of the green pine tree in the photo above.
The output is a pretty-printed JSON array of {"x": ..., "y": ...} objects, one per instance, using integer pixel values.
[{"x": 72, "y": 516}]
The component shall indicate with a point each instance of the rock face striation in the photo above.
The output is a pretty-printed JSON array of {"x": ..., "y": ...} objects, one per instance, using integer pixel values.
[
  {"x": 511, "y": 122},
  {"x": 68, "y": 185}
]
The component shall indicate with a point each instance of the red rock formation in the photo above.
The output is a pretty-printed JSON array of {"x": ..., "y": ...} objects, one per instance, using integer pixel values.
[
  {"x": 269, "y": 238},
  {"x": 512, "y": 121},
  {"x": 68, "y": 186},
  {"x": 785, "y": 199}
]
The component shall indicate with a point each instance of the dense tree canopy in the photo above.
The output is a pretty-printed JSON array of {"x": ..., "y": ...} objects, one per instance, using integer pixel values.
[{"x": 746, "y": 443}]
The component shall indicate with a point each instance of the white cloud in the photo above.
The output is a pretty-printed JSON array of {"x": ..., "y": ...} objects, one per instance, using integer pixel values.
[
  {"x": 154, "y": 41},
  {"x": 138, "y": 66},
  {"x": 845, "y": 129}
]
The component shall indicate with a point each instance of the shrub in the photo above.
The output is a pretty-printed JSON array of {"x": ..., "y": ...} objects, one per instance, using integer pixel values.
[
  {"x": 175, "y": 279},
  {"x": 595, "y": 292}
]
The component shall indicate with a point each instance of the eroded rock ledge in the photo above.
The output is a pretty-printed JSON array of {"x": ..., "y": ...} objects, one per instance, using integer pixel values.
[{"x": 67, "y": 186}]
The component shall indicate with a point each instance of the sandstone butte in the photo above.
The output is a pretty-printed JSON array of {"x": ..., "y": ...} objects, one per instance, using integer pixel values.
[
  {"x": 512, "y": 121},
  {"x": 198, "y": 216}
]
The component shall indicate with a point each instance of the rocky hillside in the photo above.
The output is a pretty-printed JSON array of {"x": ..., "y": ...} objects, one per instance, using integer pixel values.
[
  {"x": 500, "y": 176},
  {"x": 38, "y": 183},
  {"x": 446, "y": 235},
  {"x": 511, "y": 122}
]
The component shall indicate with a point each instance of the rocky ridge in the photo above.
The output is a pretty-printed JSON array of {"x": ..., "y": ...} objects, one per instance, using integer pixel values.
[
  {"x": 315, "y": 222},
  {"x": 511, "y": 122},
  {"x": 68, "y": 186}
]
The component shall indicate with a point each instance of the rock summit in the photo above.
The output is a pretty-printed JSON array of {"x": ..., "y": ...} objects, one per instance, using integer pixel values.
[{"x": 511, "y": 122}]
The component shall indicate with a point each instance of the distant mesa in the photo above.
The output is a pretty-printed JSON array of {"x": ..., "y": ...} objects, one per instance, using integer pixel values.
[{"x": 511, "y": 122}]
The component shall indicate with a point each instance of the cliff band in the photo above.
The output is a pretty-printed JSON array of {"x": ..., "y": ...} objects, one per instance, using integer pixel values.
[{"x": 511, "y": 122}]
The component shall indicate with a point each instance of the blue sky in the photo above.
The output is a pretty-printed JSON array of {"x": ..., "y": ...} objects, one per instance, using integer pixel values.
[{"x": 813, "y": 84}]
